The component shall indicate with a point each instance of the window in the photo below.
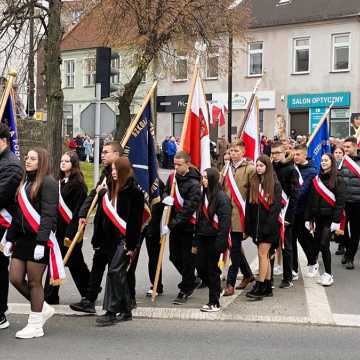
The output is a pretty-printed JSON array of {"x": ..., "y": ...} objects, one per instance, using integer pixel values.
[
  {"x": 341, "y": 52},
  {"x": 212, "y": 65},
  {"x": 340, "y": 123},
  {"x": 89, "y": 71},
  {"x": 181, "y": 66},
  {"x": 115, "y": 69},
  {"x": 178, "y": 121},
  {"x": 68, "y": 120},
  {"x": 69, "y": 73},
  {"x": 301, "y": 56},
  {"x": 255, "y": 60},
  {"x": 261, "y": 121}
]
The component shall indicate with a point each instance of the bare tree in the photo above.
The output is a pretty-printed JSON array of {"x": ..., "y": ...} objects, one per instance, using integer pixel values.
[{"x": 149, "y": 27}]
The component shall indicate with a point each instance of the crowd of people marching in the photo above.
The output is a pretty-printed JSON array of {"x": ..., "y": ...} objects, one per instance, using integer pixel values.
[{"x": 279, "y": 200}]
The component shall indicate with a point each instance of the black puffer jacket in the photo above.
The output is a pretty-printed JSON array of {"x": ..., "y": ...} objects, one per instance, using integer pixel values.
[
  {"x": 130, "y": 207},
  {"x": 352, "y": 182},
  {"x": 289, "y": 181},
  {"x": 74, "y": 193},
  {"x": 87, "y": 203},
  {"x": 262, "y": 223},
  {"x": 11, "y": 173},
  {"x": 317, "y": 207},
  {"x": 190, "y": 190},
  {"x": 206, "y": 227},
  {"x": 46, "y": 204}
]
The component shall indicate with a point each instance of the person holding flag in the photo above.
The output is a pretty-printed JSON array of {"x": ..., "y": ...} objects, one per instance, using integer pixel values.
[
  {"x": 324, "y": 210},
  {"x": 31, "y": 240},
  {"x": 11, "y": 173},
  {"x": 350, "y": 170}
]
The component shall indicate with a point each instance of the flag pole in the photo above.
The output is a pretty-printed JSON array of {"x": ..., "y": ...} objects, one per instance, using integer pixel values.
[
  {"x": 7, "y": 92},
  {"x": 167, "y": 209},
  {"x": 124, "y": 141},
  {"x": 247, "y": 112},
  {"x": 318, "y": 126}
]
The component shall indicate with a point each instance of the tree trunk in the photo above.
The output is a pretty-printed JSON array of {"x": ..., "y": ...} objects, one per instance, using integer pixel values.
[{"x": 54, "y": 94}]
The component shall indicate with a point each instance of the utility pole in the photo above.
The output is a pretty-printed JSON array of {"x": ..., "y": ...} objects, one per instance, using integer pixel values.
[
  {"x": 31, "y": 64},
  {"x": 230, "y": 66}
]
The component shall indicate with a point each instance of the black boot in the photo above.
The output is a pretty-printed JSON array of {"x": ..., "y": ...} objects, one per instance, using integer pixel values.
[
  {"x": 340, "y": 250},
  {"x": 85, "y": 306},
  {"x": 257, "y": 291},
  {"x": 267, "y": 289}
]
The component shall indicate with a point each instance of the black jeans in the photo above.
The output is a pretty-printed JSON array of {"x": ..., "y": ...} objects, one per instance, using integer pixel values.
[
  {"x": 153, "y": 250},
  {"x": 352, "y": 242},
  {"x": 79, "y": 272},
  {"x": 117, "y": 293},
  {"x": 322, "y": 241},
  {"x": 4, "y": 282},
  {"x": 302, "y": 234},
  {"x": 207, "y": 262},
  {"x": 101, "y": 259},
  {"x": 131, "y": 274},
  {"x": 287, "y": 254},
  {"x": 238, "y": 260},
  {"x": 182, "y": 258}
]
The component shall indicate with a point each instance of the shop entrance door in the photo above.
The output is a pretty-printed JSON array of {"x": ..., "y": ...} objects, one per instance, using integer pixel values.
[{"x": 300, "y": 122}]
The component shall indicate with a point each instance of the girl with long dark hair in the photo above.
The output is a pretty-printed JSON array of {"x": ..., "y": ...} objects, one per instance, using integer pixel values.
[
  {"x": 30, "y": 233},
  {"x": 324, "y": 211},
  {"x": 262, "y": 222},
  {"x": 118, "y": 223},
  {"x": 213, "y": 229},
  {"x": 72, "y": 194}
]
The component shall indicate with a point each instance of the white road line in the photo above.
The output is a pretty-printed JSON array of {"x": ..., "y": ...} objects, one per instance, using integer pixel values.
[{"x": 317, "y": 302}]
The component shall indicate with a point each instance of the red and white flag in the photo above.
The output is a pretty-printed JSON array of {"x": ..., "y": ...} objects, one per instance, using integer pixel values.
[
  {"x": 250, "y": 135},
  {"x": 196, "y": 139},
  {"x": 217, "y": 113}
]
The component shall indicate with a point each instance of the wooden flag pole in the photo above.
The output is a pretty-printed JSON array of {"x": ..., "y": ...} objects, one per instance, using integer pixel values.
[
  {"x": 7, "y": 92},
  {"x": 124, "y": 141},
  {"x": 167, "y": 210}
]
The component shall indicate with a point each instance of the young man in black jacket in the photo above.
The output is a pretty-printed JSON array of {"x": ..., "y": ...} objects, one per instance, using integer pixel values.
[
  {"x": 352, "y": 206},
  {"x": 289, "y": 180},
  {"x": 110, "y": 152},
  {"x": 182, "y": 225},
  {"x": 10, "y": 176}
]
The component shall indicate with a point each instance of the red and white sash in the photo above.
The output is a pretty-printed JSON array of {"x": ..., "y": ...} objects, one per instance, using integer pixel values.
[
  {"x": 178, "y": 199},
  {"x": 215, "y": 219},
  {"x": 323, "y": 191},
  {"x": 64, "y": 210},
  {"x": 351, "y": 165},
  {"x": 57, "y": 270},
  {"x": 235, "y": 193},
  {"x": 112, "y": 214},
  {"x": 5, "y": 222}
]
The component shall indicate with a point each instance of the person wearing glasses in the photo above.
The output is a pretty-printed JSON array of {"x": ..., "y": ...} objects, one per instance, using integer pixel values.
[
  {"x": 110, "y": 153},
  {"x": 289, "y": 180},
  {"x": 72, "y": 192}
]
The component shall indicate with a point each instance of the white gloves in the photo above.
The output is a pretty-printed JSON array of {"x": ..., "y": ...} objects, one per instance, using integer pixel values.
[
  {"x": 39, "y": 252},
  {"x": 8, "y": 249},
  {"x": 164, "y": 230},
  {"x": 334, "y": 227},
  {"x": 307, "y": 225},
  {"x": 169, "y": 200},
  {"x": 310, "y": 226}
]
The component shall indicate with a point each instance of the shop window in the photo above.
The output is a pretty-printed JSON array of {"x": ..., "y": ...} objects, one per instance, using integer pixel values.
[
  {"x": 68, "y": 121},
  {"x": 341, "y": 52},
  {"x": 178, "y": 121},
  {"x": 261, "y": 121},
  {"x": 340, "y": 123},
  {"x": 255, "y": 59},
  {"x": 301, "y": 56}
]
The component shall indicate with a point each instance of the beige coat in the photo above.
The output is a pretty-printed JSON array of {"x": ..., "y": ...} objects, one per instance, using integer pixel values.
[{"x": 242, "y": 177}]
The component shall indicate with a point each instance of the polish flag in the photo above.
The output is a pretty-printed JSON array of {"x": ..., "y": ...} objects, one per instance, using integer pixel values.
[
  {"x": 196, "y": 139},
  {"x": 217, "y": 114},
  {"x": 250, "y": 135}
]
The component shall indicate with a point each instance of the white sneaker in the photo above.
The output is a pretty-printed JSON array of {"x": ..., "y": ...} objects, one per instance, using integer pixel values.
[
  {"x": 295, "y": 275},
  {"x": 33, "y": 329},
  {"x": 47, "y": 312},
  {"x": 326, "y": 279},
  {"x": 278, "y": 270},
  {"x": 210, "y": 308},
  {"x": 313, "y": 270}
]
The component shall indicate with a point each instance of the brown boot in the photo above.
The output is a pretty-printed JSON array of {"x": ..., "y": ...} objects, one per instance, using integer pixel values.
[
  {"x": 245, "y": 282},
  {"x": 229, "y": 291}
]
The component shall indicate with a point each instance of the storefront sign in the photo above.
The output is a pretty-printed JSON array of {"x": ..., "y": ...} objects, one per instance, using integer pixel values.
[
  {"x": 304, "y": 101},
  {"x": 240, "y": 100},
  {"x": 174, "y": 104},
  {"x": 315, "y": 116}
]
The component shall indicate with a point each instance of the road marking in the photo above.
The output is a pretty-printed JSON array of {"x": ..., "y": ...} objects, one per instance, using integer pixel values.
[
  {"x": 317, "y": 301},
  {"x": 347, "y": 320}
]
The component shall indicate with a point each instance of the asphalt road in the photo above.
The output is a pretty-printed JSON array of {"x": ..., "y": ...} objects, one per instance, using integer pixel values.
[{"x": 78, "y": 338}]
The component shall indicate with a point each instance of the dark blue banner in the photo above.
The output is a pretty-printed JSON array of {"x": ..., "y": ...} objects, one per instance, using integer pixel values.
[
  {"x": 9, "y": 119},
  {"x": 319, "y": 143},
  {"x": 142, "y": 155}
]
